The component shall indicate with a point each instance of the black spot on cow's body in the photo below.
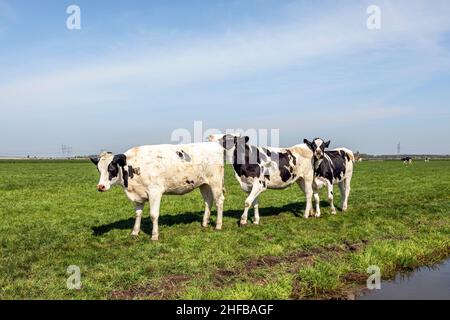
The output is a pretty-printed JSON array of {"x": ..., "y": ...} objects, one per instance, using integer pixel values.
[
  {"x": 332, "y": 167},
  {"x": 283, "y": 161},
  {"x": 183, "y": 155},
  {"x": 246, "y": 159}
]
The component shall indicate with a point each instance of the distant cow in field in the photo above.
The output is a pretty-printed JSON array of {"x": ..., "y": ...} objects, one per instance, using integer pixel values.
[
  {"x": 148, "y": 172},
  {"x": 331, "y": 167},
  {"x": 258, "y": 169},
  {"x": 406, "y": 160},
  {"x": 427, "y": 159}
]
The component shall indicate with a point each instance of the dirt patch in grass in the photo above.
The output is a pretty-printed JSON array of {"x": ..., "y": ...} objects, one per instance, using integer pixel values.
[
  {"x": 355, "y": 277},
  {"x": 169, "y": 288},
  {"x": 295, "y": 260},
  {"x": 223, "y": 277}
]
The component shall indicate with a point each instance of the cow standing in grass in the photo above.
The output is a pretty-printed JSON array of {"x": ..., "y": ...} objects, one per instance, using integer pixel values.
[
  {"x": 331, "y": 167},
  {"x": 258, "y": 169},
  {"x": 146, "y": 173},
  {"x": 407, "y": 160}
]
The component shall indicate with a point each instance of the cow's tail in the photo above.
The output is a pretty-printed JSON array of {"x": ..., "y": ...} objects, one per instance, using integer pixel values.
[{"x": 348, "y": 154}]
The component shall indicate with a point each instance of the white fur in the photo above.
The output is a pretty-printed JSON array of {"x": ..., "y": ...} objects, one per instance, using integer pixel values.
[{"x": 161, "y": 171}]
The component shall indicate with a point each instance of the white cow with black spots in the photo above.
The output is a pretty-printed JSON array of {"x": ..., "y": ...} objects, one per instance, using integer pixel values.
[
  {"x": 148, "y": 172},
  {"x": 258, "y": 169},
  {"x": 331, "y": 167}
]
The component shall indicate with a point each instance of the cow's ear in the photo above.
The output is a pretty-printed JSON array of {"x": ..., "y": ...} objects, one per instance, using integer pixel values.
[
  {"x": 308, "y": 143},
  {"x": 94, "y": 160},
  {"x": 247, "y": 139},
  {"x": 327, "y": 144},
  {"x": 120, "y": 159}
]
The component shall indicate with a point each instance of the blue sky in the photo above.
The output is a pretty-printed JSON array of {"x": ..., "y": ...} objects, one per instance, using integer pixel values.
[{"x": 137, "y": 70}]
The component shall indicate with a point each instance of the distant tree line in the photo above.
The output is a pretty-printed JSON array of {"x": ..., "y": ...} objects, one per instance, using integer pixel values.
[{"x": 366, "y": 156}]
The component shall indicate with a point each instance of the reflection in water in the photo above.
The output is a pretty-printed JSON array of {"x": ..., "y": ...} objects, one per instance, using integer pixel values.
[{"x": 425, "y": 283}]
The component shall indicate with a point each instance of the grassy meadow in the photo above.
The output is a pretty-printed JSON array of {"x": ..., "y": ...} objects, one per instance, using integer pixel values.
[{"x": 51, "y": 217}]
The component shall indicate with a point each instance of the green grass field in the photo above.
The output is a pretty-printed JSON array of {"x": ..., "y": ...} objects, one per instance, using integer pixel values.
[{"x": 52, "y": 217}]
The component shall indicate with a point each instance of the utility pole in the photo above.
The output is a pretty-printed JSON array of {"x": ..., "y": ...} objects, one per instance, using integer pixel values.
[
  {"x": 398, "y": 148},
  {"x": 66, "y": 151}
]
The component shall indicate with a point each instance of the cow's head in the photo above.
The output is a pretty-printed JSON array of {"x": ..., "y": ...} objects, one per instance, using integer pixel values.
[
  {"x": 112, "y": 170},
  {"x": 234, "y": 145},
  {"x": 219, "y": 136},
  {"x": 230, "y": 141},
  {"x": 317, "y": 146}
]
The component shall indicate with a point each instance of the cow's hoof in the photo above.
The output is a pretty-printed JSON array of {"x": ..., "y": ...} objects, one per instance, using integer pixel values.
[
  {"x": 256, "y": 222},
  {"x": 134, "y": 235},
  {"x": 205, "y": 225},
  {"x": 218, "y": 227},
  {"x": 243, "y": 223},
  {"x": 333, "y": 212},
  {"x": 306, "y": 216},
  {"x": 317, "y": 215},
  {"x": 155, "y": 238}
]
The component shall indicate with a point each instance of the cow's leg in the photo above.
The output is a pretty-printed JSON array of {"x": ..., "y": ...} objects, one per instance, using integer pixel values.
[
  {"x": 244, "y": 216},
  {"x": 217, "y": 192},
  {"x": 155, "y": 201},
  {"x": 342, "y": 191},
  {"x": 317, "y": 200},
  {"x": 137, "y": 223},
  {"x": 306, "y": 186},
  {"x": 317, "y": 185},
  {"x": 331, "y": 196},
  {"x": 257, "y": 188},
  {"x": 347, "y": 189},
  {"x": 256, "y": 210},
  {"x": 208, "y": 199}
]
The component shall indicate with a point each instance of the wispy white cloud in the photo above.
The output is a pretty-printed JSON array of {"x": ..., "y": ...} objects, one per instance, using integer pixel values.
[
  {"x": 314, "y": 69},
  {"x": 238, "y": 54}
]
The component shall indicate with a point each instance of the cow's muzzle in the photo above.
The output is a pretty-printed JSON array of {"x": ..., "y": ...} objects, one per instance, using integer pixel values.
[{"x": 101, "y": 187}]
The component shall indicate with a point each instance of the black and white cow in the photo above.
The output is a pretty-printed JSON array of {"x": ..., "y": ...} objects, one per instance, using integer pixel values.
[
  {"x": 331, "y": 167},
  {"x": 257, "y": 169},
  {"x": 148, "y": 172},
  {"x": 406, "y": 160}
]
